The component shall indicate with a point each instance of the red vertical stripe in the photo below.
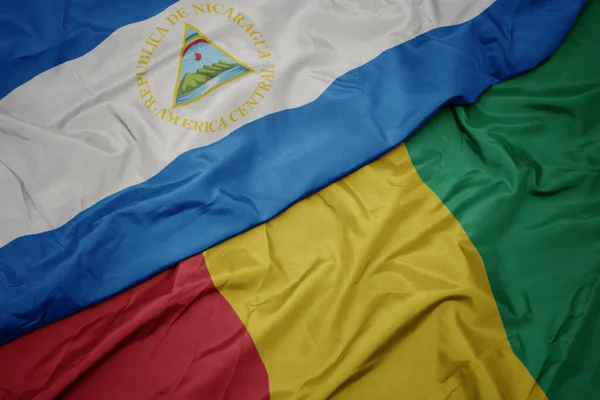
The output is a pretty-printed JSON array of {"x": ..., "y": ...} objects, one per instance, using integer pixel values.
[{"x": 172, "y": 337}]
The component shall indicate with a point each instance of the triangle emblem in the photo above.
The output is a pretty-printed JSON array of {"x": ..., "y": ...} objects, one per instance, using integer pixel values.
[{"x": 203, "y": 67}]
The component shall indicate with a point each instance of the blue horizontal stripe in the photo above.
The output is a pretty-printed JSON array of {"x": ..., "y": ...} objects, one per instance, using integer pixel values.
[
  {"x": 38, "y": 35},
  {"x": 210, "y": 194}
]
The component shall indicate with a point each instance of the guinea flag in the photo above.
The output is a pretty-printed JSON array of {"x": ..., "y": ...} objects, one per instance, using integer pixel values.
[{"x": 463, "y": 264}]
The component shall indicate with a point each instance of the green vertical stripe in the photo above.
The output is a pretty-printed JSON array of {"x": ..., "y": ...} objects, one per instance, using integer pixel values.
[{"x": 520, "y": 170}]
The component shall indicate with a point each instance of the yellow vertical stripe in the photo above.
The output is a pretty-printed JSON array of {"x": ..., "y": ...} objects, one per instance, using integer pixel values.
[{"x": 370, "y": 289}]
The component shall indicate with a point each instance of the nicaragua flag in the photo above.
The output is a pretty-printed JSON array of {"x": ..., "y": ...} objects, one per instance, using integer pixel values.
[{"x": 134, "y": 134}]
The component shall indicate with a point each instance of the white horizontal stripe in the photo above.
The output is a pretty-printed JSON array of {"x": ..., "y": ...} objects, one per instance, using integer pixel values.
[{"x": 80, "y": 132}]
